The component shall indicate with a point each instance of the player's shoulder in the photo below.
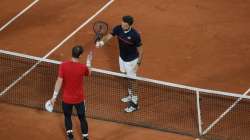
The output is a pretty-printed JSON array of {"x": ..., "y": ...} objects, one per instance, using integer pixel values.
[
  {"x": 118, "y": 28},
  {"x": 135, "y": 32},
  {"x": 65, "y": 62}
]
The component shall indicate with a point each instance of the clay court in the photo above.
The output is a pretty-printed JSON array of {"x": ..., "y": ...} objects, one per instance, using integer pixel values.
[{"x": 197, "y": 43}]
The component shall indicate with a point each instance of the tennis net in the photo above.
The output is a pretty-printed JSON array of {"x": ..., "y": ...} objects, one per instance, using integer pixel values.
[{"x": 163, "y": 106}]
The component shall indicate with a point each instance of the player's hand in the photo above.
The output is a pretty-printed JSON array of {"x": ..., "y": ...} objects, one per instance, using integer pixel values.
[
  {"x": 53, "y": 100},
  {"x": 99, "y": 44}
]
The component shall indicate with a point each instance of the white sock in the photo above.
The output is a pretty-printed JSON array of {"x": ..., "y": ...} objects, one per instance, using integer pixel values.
[
  {"x": 130, "y": 92},
  {"x": 85, "y": 135},
  {"x": 69, "y": 131}
]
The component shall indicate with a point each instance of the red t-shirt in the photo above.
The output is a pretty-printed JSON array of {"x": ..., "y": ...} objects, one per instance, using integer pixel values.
[{"x": 72, "y": 74}]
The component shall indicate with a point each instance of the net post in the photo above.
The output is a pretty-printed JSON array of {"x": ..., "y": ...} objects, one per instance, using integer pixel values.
[{"x": 198, "y": 112}]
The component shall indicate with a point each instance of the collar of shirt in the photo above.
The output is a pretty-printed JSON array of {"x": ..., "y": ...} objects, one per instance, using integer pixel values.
[{"x": 127, "y": 30}]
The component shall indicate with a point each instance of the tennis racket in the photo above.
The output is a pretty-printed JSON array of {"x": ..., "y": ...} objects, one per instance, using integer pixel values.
[{"x": 100, "y": 29}]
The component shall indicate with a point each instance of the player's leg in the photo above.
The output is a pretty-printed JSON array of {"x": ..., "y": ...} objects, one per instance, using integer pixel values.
[
  {"x": 122, "y": 69},
  {"x": 67, "y": 110},
  {"x": 121, "y": 65},
  {"x": 83, "y": 121},
  {"x": 130, "y": 68}
]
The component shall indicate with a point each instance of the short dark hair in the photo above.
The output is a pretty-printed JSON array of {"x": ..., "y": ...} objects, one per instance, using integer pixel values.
[
  {"x": 77, "y": 51},
  {"x": 128, "y": 19}
]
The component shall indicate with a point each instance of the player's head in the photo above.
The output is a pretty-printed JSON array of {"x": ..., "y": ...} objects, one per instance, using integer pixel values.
[
  {"x": 127, "y": 22},
  {"x": 77, "y": 51}
]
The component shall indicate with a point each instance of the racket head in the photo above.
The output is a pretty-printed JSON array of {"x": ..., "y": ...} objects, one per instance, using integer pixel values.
[{"x": 100, "y": 28}]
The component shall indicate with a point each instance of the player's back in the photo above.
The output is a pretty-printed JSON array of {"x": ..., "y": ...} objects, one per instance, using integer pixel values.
[{"x": 72, "y": 74}]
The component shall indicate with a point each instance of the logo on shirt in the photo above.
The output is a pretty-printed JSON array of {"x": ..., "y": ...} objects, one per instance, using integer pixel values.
[{"x": 129, "y": 37}]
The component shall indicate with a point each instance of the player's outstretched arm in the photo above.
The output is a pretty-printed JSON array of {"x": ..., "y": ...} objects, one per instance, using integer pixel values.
[{"x": 103, "y": 41}]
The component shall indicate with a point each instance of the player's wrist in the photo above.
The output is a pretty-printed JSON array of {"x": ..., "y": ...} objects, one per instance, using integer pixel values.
[{"x": 55, "y": 94}]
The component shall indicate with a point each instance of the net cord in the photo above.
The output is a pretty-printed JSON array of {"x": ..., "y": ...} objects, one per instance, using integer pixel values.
[{"x": 200, "y": 90}]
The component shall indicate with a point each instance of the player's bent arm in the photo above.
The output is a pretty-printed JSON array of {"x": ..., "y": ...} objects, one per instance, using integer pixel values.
[
  {"x": 140, "y": 50},
  {"x": 104, "y": 40}
]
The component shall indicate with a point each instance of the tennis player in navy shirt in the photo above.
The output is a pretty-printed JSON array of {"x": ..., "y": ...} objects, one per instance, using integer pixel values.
[{"x": 130, "y": 57}]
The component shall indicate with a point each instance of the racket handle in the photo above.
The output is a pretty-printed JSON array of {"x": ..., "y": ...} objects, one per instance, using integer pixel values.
[{"x": 98, "y": 37}]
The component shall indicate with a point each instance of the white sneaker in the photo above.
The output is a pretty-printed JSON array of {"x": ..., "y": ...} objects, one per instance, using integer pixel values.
[
  {"x": 130, "y": 109},
  {"x": 126, "y": 99},
  {"x": 129, "y": 98},
  {"x": 135, "y": 99}
]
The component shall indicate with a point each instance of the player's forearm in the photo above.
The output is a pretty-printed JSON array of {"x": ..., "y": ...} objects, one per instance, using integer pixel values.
[
  {"x": 58, "y": 86},
  {"x": 103, "y": 41},
  {"x": 106, "y": 38},
  {"x": 140, "y": 50}
]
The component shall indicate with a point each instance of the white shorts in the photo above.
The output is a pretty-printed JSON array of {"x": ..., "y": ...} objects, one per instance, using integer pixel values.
[{"x": 128, "y": 67}]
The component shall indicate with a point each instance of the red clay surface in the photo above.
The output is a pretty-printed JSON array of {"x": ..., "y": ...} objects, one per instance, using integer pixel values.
[
  {"x": 9, "y": 10},
  {"x": 40, "y": 125},
  {"x": 192, "y": 42}
]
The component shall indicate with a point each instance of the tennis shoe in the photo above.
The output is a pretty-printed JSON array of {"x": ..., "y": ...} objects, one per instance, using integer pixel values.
[
  {"x": 85, "y": 138},
  {"x": 70, "y": 136},
  {"x": 130, "y": 109},
  {"x": 129, "y": 98},
  {"x": 126, "y": 99}
]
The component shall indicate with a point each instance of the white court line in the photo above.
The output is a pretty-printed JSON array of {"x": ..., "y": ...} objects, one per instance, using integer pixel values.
[
  {"x": 55, "y": 48},
  {"x": 18, "y": 15},
  {"x": 224, "y": 113},
  {"x": 79, "y": 28}
]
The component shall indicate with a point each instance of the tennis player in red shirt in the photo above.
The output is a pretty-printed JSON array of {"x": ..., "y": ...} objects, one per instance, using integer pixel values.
[{"x": 70, "y": 80}]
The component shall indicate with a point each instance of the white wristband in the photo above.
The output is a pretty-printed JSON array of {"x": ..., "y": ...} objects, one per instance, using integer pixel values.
[{"x": 55, "y": 95}]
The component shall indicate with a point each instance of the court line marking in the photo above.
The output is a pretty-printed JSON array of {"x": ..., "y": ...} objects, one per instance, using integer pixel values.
[
  {"x": 18, "y": 15},
  {"x": 55, "y": 48}
]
